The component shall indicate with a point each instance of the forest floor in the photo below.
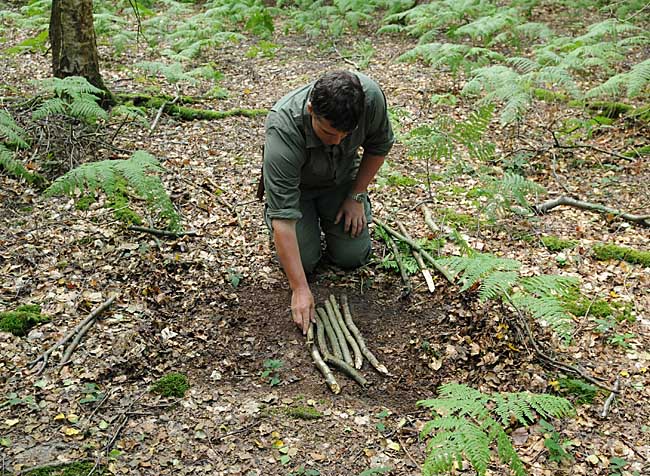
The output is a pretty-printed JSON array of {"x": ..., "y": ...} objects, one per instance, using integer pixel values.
[{"x": 216, "y": 306}]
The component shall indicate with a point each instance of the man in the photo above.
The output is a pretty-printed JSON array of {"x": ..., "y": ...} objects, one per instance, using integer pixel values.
[{"x": 315, "y": 179}]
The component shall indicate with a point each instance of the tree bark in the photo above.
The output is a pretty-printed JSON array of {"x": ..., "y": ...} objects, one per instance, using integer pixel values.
[{"x": 74, "y": 47}]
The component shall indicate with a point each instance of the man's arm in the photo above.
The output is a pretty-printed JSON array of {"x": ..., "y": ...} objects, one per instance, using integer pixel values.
[
  {"x": 286, "y": 244},
  {"x": 351, "y": 210}
]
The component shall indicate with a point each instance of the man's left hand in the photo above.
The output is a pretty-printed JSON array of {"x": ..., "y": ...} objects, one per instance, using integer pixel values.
[{"x": 354, "y": 216}]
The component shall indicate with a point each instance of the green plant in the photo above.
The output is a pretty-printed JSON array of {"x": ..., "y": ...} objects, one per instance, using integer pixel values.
[
  {"x": 271, "y": 371},
  {"x": 74, "y": 96},
  {"x": 582, "y": 392},
  {"x": 20, "y": 321},
  {"x": 173, "y": 384},
  {"x": 467, "y": 422},
  {"x": 609, "y": 251},
  {"x": 555, "y": 244},
  {"x": 498, "y": 278},
  {"x": 115, "y": 177},
  {"x": 303, "y": 412},
  {"x": 621, "y": 340},
  {"x": 557, "y": 449},
  {"x": 617, "y": 465},
  {"x": 14, "y": 137},
  {"x": 92, "y": 393}
]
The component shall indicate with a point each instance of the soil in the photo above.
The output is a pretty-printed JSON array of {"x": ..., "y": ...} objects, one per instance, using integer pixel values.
[{"x": 216, "y": 306}]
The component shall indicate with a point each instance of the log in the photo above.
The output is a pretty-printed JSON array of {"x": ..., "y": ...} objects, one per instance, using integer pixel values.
[
  {"x": 347, "y": 315},
  {"x": 358, "y": 356},
  {"x": 542, "y": 208}
]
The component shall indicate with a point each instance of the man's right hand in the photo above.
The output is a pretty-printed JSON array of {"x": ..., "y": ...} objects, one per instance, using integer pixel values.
[{"x": 302, "y": 308}]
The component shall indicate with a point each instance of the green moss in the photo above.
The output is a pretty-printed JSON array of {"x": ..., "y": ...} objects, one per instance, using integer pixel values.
[
  {"x": 609, "y": 251},
  {"x": 581, "y": 306},
  {"x": 20, "y": 321},
  {"x": 553, "y": 243},
  {"x": 398, "y": 180},
  {"x": 71, "y": 469},
  {"x": 549, "y": 96},
  {"x": 303, "y": 412},
  {"x": 452, "y": 217},
  {"x": 173, "y": 384},
  {"x": 83, "y": 203},
  {"x": 582, "y": 391},
  {"x": 119, "y": 203},
  {"x": 638, "y": 152},
  {"x": 609, "y": 109}
]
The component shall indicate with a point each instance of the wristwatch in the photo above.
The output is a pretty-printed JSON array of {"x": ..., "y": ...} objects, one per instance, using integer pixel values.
[{"x": 358, "y": 197}]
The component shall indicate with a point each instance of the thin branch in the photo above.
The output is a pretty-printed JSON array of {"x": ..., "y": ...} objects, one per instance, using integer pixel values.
[
  {"x": 163, "y": 233},
  {"x": 320, "y": 363},
  {"x": 610, "y": 399},
  {"x": 358, "y": 356},
  {"x": 641, "y": 220},
  {"x": 331, "y": 335},
  {"x": 419, "y": 260},
  {"x": 400, "y": 265},
  {"x": 415, "y": 246},
  {"x": 44, "y": 357},
  {"x": 340, "y": 335}
]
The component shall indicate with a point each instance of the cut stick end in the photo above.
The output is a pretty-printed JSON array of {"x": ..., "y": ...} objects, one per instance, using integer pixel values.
[{"x": 335, "y": 388}]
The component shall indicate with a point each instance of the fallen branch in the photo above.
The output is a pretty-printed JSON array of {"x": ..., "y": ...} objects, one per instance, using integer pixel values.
[
  {"x": 160, "y": 111},
  {"x": 416, "y": 247},
  {"x": 347, "y": 316},
  {"x": 358, "y": 356},
  {"x": 67, "y": 354},
  {"x": 610, "y": 399},
  {"x": 331, "y": 335},
  {"x": 340, "y": 335},
  {"x": 44, "y": 357},
  {"x": 320, "y": 364},
  {"x": 162, "y": 233},
  {"x": 419, "y": 260},
  {"x": 642, "y": 220}
]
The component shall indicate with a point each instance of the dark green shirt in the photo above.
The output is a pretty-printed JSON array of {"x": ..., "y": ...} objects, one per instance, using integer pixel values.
[{"x": 296, "y": 162}]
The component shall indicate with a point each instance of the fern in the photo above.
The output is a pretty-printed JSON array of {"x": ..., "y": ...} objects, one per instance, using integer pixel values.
[
  {"x": 15, "y": 168},
  {"x": 10, "y": 132},
  {"x": 472, "y": 269},
  {"x": 74, "y": 96},
  {"x": 635, "y": 81},
  {"x": 467, "y": 423},
  {"x": 137, "y": 172}
]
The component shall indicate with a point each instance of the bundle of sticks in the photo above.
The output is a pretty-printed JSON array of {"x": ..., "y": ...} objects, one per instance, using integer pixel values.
[{"x": 339, "y": 343}]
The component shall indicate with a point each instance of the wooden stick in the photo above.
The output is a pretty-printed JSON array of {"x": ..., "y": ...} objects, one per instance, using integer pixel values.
[
  {"x": 417, "y": 247},
  {"x": 420, "y": 262},
  {"x": 400, "y": 265},
  {"x": 340, "y": 336},
  {"x": 329, "y": 358},
  {"x": 358, "y": 356},
  {"x": 610, "y": 399},
  {"x": 67, "y": 354},
  {"x": 331, "y": 335},
  {"x": 320, "y": 364},
  {"x": 347, "y": 315},
  {"x": 44, "y": 357},
  {"x": 642, "y": 220}
]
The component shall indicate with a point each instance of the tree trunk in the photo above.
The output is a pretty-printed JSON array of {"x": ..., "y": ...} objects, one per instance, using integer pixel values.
[{"x": 72, "y": 36}]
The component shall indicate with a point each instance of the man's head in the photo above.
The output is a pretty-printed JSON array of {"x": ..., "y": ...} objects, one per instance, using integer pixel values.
[{"x": 336, "y": 104}]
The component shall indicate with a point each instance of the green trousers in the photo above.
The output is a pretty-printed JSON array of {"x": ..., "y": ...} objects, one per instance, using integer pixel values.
[{"x": 319, "y": 210}]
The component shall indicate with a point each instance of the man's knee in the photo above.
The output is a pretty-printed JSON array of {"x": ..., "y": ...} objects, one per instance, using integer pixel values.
[{"x": 351, "y": 257}]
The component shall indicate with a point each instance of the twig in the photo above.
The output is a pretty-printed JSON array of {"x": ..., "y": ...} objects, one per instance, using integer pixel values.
[
  {"x": 163, "y": 233},
  {"x": 331, "y": 335},
  {"x": 419, "y": 260},
  {"x": 340, "y": 336},
  {"x": 347, "y": 60},
  {"x": 400, "y": 265},
  {"x": 417, "y": 247},
  {"x": 642, "y": 220},
  {"x": 320, "y": 364},
  {"x": 358, "y": 356},
  {"x": 347, "y": 315},
  {"x": 67, "y": 354},
  {"x": 610, "y": 399},
  {"x": 407, "y": 452},
  {"x": 45, "y": 355},
  {"x": 160, "y": 111}
]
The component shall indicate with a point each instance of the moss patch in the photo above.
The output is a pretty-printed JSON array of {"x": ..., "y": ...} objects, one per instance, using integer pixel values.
[
  {"x": 608, "y": 251},
  {"x": 303, "y": 412},
  {"x": 638, "y": 152},
  {"x": 20, "y": 321},
  {"x": 71, "y": 469},
  {"x": 173, "y": 384},
  {"x": 553, "y": 243}
]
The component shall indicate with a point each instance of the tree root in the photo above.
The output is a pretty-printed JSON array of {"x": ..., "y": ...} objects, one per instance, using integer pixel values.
[{"x": 642, "y": 220}]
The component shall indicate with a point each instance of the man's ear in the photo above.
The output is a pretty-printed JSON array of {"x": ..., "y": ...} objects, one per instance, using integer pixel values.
[{"x": 310, "y": 109}]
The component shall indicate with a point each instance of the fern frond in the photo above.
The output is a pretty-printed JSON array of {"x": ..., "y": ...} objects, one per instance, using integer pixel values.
[
  {"x": 15, "y": 168},
  {"x": 475, "y": 267},
  {"x": 71, "y": 86},
  {"x": 50, "y": 107},
  {"x": 523, "y": 65},
  {"x": 10, "y": 132},
  {"x": 485, "y": 27},
  {"x": 507, "y": 453},
  {"x": 548, "y": 284},
  {"x": 130, "y": 112},
  {"x": 548, "y": 310},
  {"x": 497, "y": 284},
  {"x": 638, "y": 79},
  {"x": 549, "y": 405},
  {"x": 86, "y": 109}
]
